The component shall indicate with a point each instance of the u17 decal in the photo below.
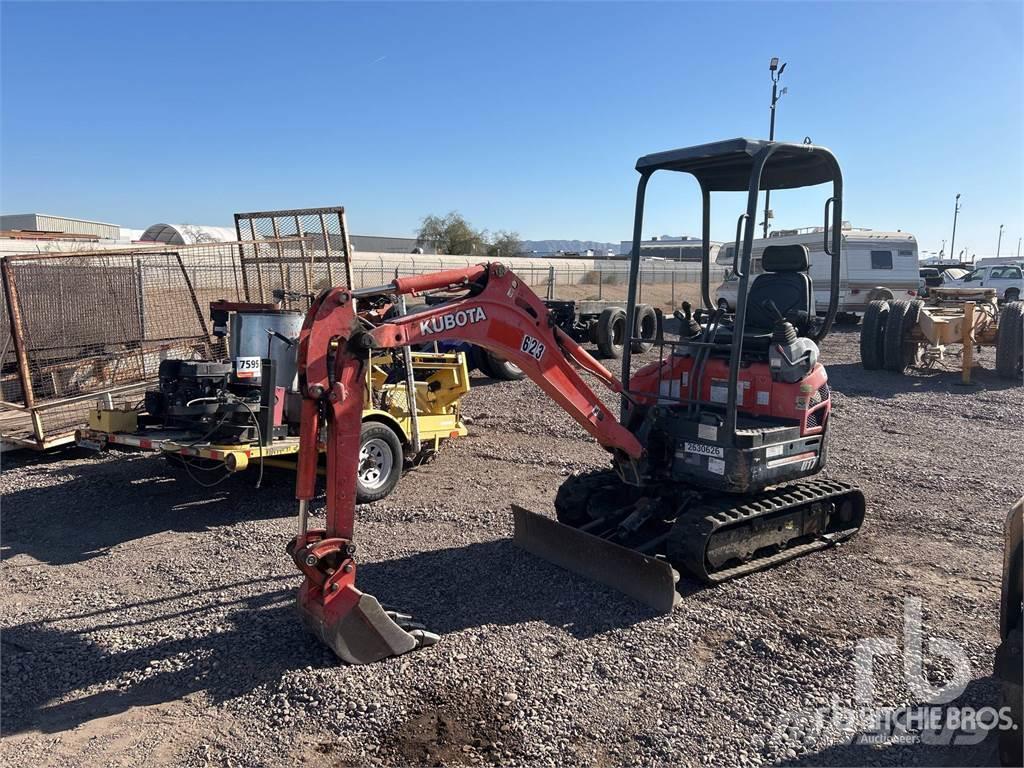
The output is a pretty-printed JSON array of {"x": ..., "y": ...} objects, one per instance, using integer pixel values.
[{"x": 532, "y": 346}]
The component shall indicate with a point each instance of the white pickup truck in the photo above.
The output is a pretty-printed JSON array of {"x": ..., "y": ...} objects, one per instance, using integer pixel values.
[{"x": 1007, "y": 279}]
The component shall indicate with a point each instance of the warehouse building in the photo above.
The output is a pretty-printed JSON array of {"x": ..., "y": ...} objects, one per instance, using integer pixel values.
[
  {"x": 668, "y": 248},
  {"x": 46, "y": 223}
]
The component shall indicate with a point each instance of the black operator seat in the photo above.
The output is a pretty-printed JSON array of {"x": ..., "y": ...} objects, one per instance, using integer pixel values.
[{"x": 784, "y": 281}]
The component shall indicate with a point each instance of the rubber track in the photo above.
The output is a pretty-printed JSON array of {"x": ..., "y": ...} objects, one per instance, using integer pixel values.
[{"x": 691, "y": 534}]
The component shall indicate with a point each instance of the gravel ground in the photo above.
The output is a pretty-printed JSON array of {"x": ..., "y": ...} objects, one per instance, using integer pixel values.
[{"x": 148, "y": 621}]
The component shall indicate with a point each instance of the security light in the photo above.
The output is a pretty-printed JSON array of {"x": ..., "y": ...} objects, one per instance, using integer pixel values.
[{"x": 774, "y": 64}]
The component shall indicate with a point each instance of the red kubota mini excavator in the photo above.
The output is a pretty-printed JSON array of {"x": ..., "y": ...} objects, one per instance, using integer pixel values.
[{"x": 709, "y": 446}]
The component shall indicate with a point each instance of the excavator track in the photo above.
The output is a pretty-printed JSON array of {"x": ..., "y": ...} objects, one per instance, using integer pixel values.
[{"x": 718, "y": 539}]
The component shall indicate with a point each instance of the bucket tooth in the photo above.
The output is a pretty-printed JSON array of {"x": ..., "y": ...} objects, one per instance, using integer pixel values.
[{"x": 644, "y": 578}]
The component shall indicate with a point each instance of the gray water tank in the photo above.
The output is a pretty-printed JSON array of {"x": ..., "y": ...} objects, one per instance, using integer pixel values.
[{"x": 250, "y": 337}]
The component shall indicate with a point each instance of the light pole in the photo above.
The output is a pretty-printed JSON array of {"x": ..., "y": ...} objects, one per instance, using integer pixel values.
[
  {"x": 1018, "y": 247},
  {"x": 956, "y": 210},
  {"x": 999, "y": 243},
  {"x": 776, "y": 70}
]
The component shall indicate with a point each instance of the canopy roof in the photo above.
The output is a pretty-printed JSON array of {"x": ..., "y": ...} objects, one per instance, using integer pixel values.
[{"x": 726, "y": 165}]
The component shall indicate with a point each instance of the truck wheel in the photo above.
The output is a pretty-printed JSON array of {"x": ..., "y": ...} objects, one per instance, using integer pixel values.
[
  {"x": 500, "y": 368},
  {"x": 898, "y": 353},
  {"x": 380, "y": 462},
  {"x": 646, "y": 328},
  {"x": 1012, "y": 294},
  {"x": 872, "y": 333},
  {"x": 611, "y": 332},
  {"x": 1010, "y": 342}
]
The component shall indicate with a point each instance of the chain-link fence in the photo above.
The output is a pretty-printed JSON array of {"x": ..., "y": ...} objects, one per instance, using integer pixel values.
[
  {"x": 81, "y": 326},
  {"x": 661, "y": 284}
]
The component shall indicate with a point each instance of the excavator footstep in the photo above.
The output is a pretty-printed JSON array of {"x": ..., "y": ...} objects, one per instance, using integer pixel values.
[{"x": 648, "y": 579}]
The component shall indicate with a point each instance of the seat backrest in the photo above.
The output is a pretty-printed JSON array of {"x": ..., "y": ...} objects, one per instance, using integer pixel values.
[{"x": 785, "y": 281}]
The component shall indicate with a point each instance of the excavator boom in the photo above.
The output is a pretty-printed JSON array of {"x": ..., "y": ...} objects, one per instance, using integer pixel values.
[{"x": 495, "y": 310}]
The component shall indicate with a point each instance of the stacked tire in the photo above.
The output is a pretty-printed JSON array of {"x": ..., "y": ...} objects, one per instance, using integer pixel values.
[
  {"x": 611, "y": 335},
  {"x": 899, "y": 351},
  {"x": 1010, "y": 342},
  {"x": 886, "y": 335},
  {"x": 611, "y": 332},
  {"x": 645, "y": 328},
  {"x": 872, "y": 334}
]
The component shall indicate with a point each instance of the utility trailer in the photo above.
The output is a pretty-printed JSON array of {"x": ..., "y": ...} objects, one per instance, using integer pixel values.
[
  {"x": 897, "y": 335},
  {"x": 392, "y": 436},
  {"x": 216, "y": 417}
]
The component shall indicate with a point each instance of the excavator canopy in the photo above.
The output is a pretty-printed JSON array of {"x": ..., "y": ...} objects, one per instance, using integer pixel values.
[{"x": 725, "y": 166}]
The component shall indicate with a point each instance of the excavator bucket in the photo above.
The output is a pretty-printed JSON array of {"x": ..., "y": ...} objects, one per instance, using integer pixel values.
[
  {"x": 357, "y": 628},
  {"x": 648, "y": 579}
]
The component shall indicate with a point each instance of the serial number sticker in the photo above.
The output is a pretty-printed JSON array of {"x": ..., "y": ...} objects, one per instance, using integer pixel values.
[
  {"x": 717, "y": 466},
  {"x": 705, "y": 450},
  {"x": 248, "y": 367},
  {"x": 707, "y": 431},
  {"x": 532, "y": 347},
  {"x": 762, "y": 398},
  {"x": 773, "y": 451},
  {"x": 720, "y": 391}
]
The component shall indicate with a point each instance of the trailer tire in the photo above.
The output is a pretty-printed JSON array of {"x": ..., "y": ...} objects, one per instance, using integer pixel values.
[
  {"x": 646, "y": 327},
  {"x": 1011, "y": 295},
  {"x": 380, "y": 462},
  {"x": 1010, "y": 342},
  {"x": 872, "y": 334},
  {"x": 611, "y": 332},
  {"x": 500, "y": 368},
  {"x": 898, "y": 353}
]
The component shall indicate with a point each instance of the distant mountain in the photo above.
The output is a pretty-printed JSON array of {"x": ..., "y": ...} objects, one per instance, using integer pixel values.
[{"x": 552, "y": 246}]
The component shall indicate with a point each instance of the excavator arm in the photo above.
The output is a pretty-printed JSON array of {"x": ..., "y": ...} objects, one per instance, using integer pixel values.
[{"x": 494, "y": 309}]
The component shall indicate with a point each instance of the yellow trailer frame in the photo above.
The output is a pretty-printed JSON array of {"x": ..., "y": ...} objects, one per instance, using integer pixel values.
[
  {"x": 444, "y": 380},
  {"x": 964, "y": 316}
]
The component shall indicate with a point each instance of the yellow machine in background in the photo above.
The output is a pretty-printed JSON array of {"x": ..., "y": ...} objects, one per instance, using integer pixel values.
[{"x": 393, "y": 434}]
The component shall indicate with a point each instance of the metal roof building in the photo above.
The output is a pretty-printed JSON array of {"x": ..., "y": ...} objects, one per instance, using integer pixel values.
[
  {"x": 385, "y": 244},
  {"x": 44, "y": 222}
]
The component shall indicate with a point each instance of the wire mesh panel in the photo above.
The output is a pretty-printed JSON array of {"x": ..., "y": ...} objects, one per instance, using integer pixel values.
[
  {"x": 292, "y": 255},
  {"x": 98, "y": 323}
]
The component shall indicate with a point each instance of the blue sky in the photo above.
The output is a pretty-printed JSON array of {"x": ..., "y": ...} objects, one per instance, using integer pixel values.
[{"x": 525, "y": 117}]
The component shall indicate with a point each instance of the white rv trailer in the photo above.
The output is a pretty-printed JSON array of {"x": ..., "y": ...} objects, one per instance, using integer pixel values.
[{"x": 872, "y": 265}]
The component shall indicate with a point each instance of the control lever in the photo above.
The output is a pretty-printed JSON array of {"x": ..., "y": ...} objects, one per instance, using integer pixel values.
[
  {"x": 690, "y": 325},
  {"x": 790, "y": 357}
]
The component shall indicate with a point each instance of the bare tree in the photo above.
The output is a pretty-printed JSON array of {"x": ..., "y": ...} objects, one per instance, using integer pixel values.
[{"x": 451, "y": 235}]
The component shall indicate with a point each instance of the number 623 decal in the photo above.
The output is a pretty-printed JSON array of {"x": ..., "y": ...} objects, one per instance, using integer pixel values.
[{"x": 533, "y": 347}]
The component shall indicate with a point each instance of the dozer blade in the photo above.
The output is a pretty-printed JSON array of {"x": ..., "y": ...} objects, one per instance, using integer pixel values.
[
  {"x": 356, "y": 627},
  {"x": 647, "y": 579}
]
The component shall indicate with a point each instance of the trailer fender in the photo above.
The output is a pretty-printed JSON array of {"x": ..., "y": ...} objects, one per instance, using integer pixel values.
[{"x": 387, "y": 419}]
